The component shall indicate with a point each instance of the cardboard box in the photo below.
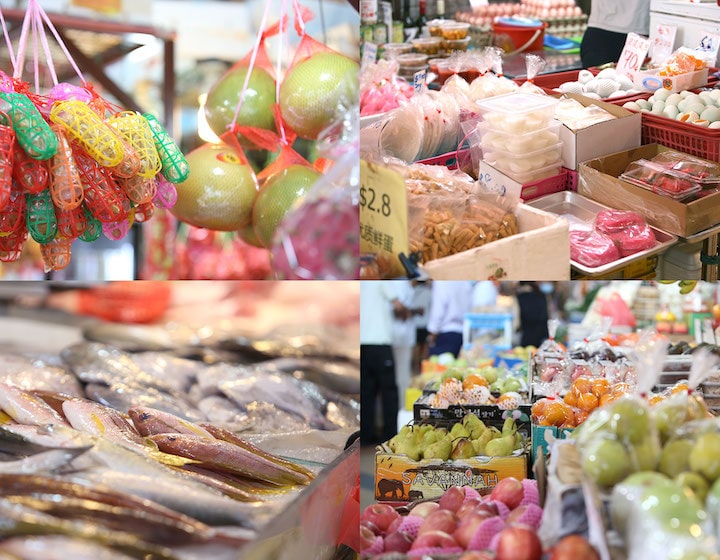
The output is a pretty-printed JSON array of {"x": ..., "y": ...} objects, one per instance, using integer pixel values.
[
  {"x": 543, "y": 438},
  {"x": 599, "y": 181},
  {"x": 400, "y": 480},
  {"x": 620, "y": 133},
  {"x": 540, "y": 251}
]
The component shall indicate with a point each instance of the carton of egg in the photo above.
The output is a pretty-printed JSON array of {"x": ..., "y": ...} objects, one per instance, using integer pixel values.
[
  {"x": 700, "y": 108},
  {"x": 608, "y": 84}
]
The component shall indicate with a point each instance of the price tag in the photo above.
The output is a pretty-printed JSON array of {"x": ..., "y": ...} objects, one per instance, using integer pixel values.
[
  {"x": 633, "y": 55},
  {"x": 419, "y": 79},
  {"x": 662, "y": 40},
  {"x": 383, "y": 212},
  {"x": 369, "y": 54},
  {"x": 708, "y": 48},
  {"x": 477, "y": 3}
]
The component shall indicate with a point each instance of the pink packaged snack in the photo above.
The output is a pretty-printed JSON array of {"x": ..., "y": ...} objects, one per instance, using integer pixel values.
[
  {"x": 628, "y": 230},
  {"x": 611, "y": 221},
  {"x": 592, "y": 248}
]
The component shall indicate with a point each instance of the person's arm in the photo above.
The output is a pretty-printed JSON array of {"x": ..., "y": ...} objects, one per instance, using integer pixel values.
[{"x": 438, "y": 310}]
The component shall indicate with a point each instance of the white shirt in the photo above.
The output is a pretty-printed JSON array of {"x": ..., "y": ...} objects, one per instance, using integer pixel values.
[
  {"x": 621, "y": 16},
  {"x": 485, "y": 294},
  {"x": 451, "y": 300},
  {"x": 422, "y": 294},
  {"x": 376, "y": 311},
  {"x": 404, "y": 333}
]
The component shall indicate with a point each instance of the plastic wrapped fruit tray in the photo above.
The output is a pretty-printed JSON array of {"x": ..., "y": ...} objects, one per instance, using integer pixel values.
[{"x": 581, "y": 211}]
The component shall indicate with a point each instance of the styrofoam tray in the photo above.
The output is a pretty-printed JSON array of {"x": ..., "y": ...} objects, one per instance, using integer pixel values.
[{"x": 581, "y": 211}]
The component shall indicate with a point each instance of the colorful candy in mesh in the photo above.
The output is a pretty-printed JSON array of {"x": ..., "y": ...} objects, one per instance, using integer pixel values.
[{"x": 485, "y": 532}]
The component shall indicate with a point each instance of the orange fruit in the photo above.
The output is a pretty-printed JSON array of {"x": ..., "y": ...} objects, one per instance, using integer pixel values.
[
  {"x": 600, "y": 386},
  {"x": 582, "y": 385},
  {"x": 556, "y": 413},
  {"x": 580, "y": 416},
  {"x": 620, "y": 388},
  {"x": 474, "y": 381},
  {"x": 538, "y": 409},
  {"x": 570, "y": 398},
  {"x": 587, "y": 402},
  {"x": 607, "y": 398}
]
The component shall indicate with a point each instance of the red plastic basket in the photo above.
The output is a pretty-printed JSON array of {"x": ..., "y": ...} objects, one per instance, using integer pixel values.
[
  {"x": 549, "y": 185},
  {"x": 688, "y": 138}
]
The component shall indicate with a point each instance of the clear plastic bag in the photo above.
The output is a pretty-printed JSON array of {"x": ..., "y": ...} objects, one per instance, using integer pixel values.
[{"x": 381, "y": 89}]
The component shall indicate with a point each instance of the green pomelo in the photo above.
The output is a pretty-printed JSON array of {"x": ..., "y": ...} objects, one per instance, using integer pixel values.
[
  {"x": 316, "y": 90},
  {"x": 276, "y": 197},
  {"x": 220, "y": 191}
]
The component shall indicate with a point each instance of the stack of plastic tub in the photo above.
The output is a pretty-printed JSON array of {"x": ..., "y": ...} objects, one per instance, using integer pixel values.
[{"x": 520, "y": 137}]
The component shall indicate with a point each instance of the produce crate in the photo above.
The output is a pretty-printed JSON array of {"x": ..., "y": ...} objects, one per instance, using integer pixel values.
[
  {"x": 549, "y": 185},
  {"x": 399, "y": 479}
]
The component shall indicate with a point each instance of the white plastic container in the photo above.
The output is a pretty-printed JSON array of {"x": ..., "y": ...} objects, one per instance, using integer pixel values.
[
  {"x": 518, "y": 112},
  {"x": 494, "y": 139}
]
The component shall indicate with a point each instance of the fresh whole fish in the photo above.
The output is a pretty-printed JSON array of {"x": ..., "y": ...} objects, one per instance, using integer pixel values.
[
  {"x": 16, "y": 444},
  {"x": 93, "y": 362},
  {"x": 58, "y": 547},
  {"x": 26, "y": 408},
  {"x": 132, "y": 337},
  {"x": 43, "y": 462},
  {"x": 225, "y": 456},
  {"x": 121, "y": 396},
  {"x": 217, "y": 408},
  {"x": 251, "y": 385},
  {"x": 98, "y": 420},
  {"x": 26, "y": 373},
  {"x": 178, "y": 373},
  {"x": 19, "y": 519},
  {"x": 340, "y": 376},
  {"x": 149, "y": 421}
]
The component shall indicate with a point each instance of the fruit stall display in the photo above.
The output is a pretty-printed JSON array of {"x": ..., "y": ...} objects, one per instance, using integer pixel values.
[{"x": 302, "y": 210}]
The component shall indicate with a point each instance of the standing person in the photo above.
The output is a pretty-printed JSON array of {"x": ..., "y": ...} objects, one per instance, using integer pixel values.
[
  {"x": 533, "y": 305},
  {"x": 403, "y": 338},
  {"x": 379, "y": 302},
  {"x": 609, "y": 23},
  {"x": 422, "y": 293},
  {"x": 451, "y": 300}
]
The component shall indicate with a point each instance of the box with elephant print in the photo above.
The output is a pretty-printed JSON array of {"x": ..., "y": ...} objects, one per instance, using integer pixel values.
[{"x": 423, "y": 460}]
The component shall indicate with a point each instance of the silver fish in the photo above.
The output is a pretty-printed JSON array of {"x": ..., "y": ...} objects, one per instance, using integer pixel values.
[
  {"x": 93, "y": 362},
  {"x": 29, "y": 373},
  {"x": 98, "y": 420},
  {"x": 123, "y": 396},
  {"x": 217, "y": 408},
  {"x": 131, "y": 337},
  {"x": 251, "y": 384},
  {"x": 340, "y": 376},
  {"x": 58, "y": 547},
  {"x": 43, "y": 462},
  {"x": 178, "y": 373}
]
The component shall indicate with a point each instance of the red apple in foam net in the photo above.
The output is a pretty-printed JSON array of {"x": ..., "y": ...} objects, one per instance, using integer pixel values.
[
  {"x": 453, "y": 498},
  {"x": 518, "y": 543},
  {"x": 440, "y": 520},
  {"x": 370, "y": 525},
  {"x": 467, "y": 528},
  {"x": 394, "y": 525},
  {"x": 529, "y": 515},
  {"x": 469, "y": 505},
  {"x": 509, "y": 491},
  {"x": 424, "y": 509},
  {"x": 434, "y": 539},
  {"x": 381, "y": 515},
  {"x": 574, "y": 547},
  {"x": 367, "y": 538},
  {"x": 488, "y": 507},
  {"x": 397, "y": 542}
]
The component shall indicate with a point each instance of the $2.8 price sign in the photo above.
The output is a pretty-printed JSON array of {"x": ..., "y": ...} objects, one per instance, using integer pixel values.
[
  {"x": 370, "y": 200},
  {"x": 383, "y": 210}
]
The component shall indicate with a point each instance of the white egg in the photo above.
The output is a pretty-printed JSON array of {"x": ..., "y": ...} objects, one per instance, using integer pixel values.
[
  {"x": 592, "y": 95},
  {"x": 688, "y": 116},
  {"x": 685, "y": 93},
  {"x": 672, "y": 99},
  {"x": 584, "y": 76},
  {"x": 644, "y": 104},
  {"x": 706, "y": 97},
  {"x": 658, "y": 107},
  {"x": 631, "y": 105},
  {"x": 661, "y": 94},
  {"x": 711, "y": 114},
  {"x": 715, "y": 124},
  {"x": 715, "y": 93},
  {"x": 694, "y": 107},
  {"x": 701, "y": 122},
  {"x": 609, "y": 73},
  {"x": 670, "y": 111},
  {"x": 633, "y": 91}
]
